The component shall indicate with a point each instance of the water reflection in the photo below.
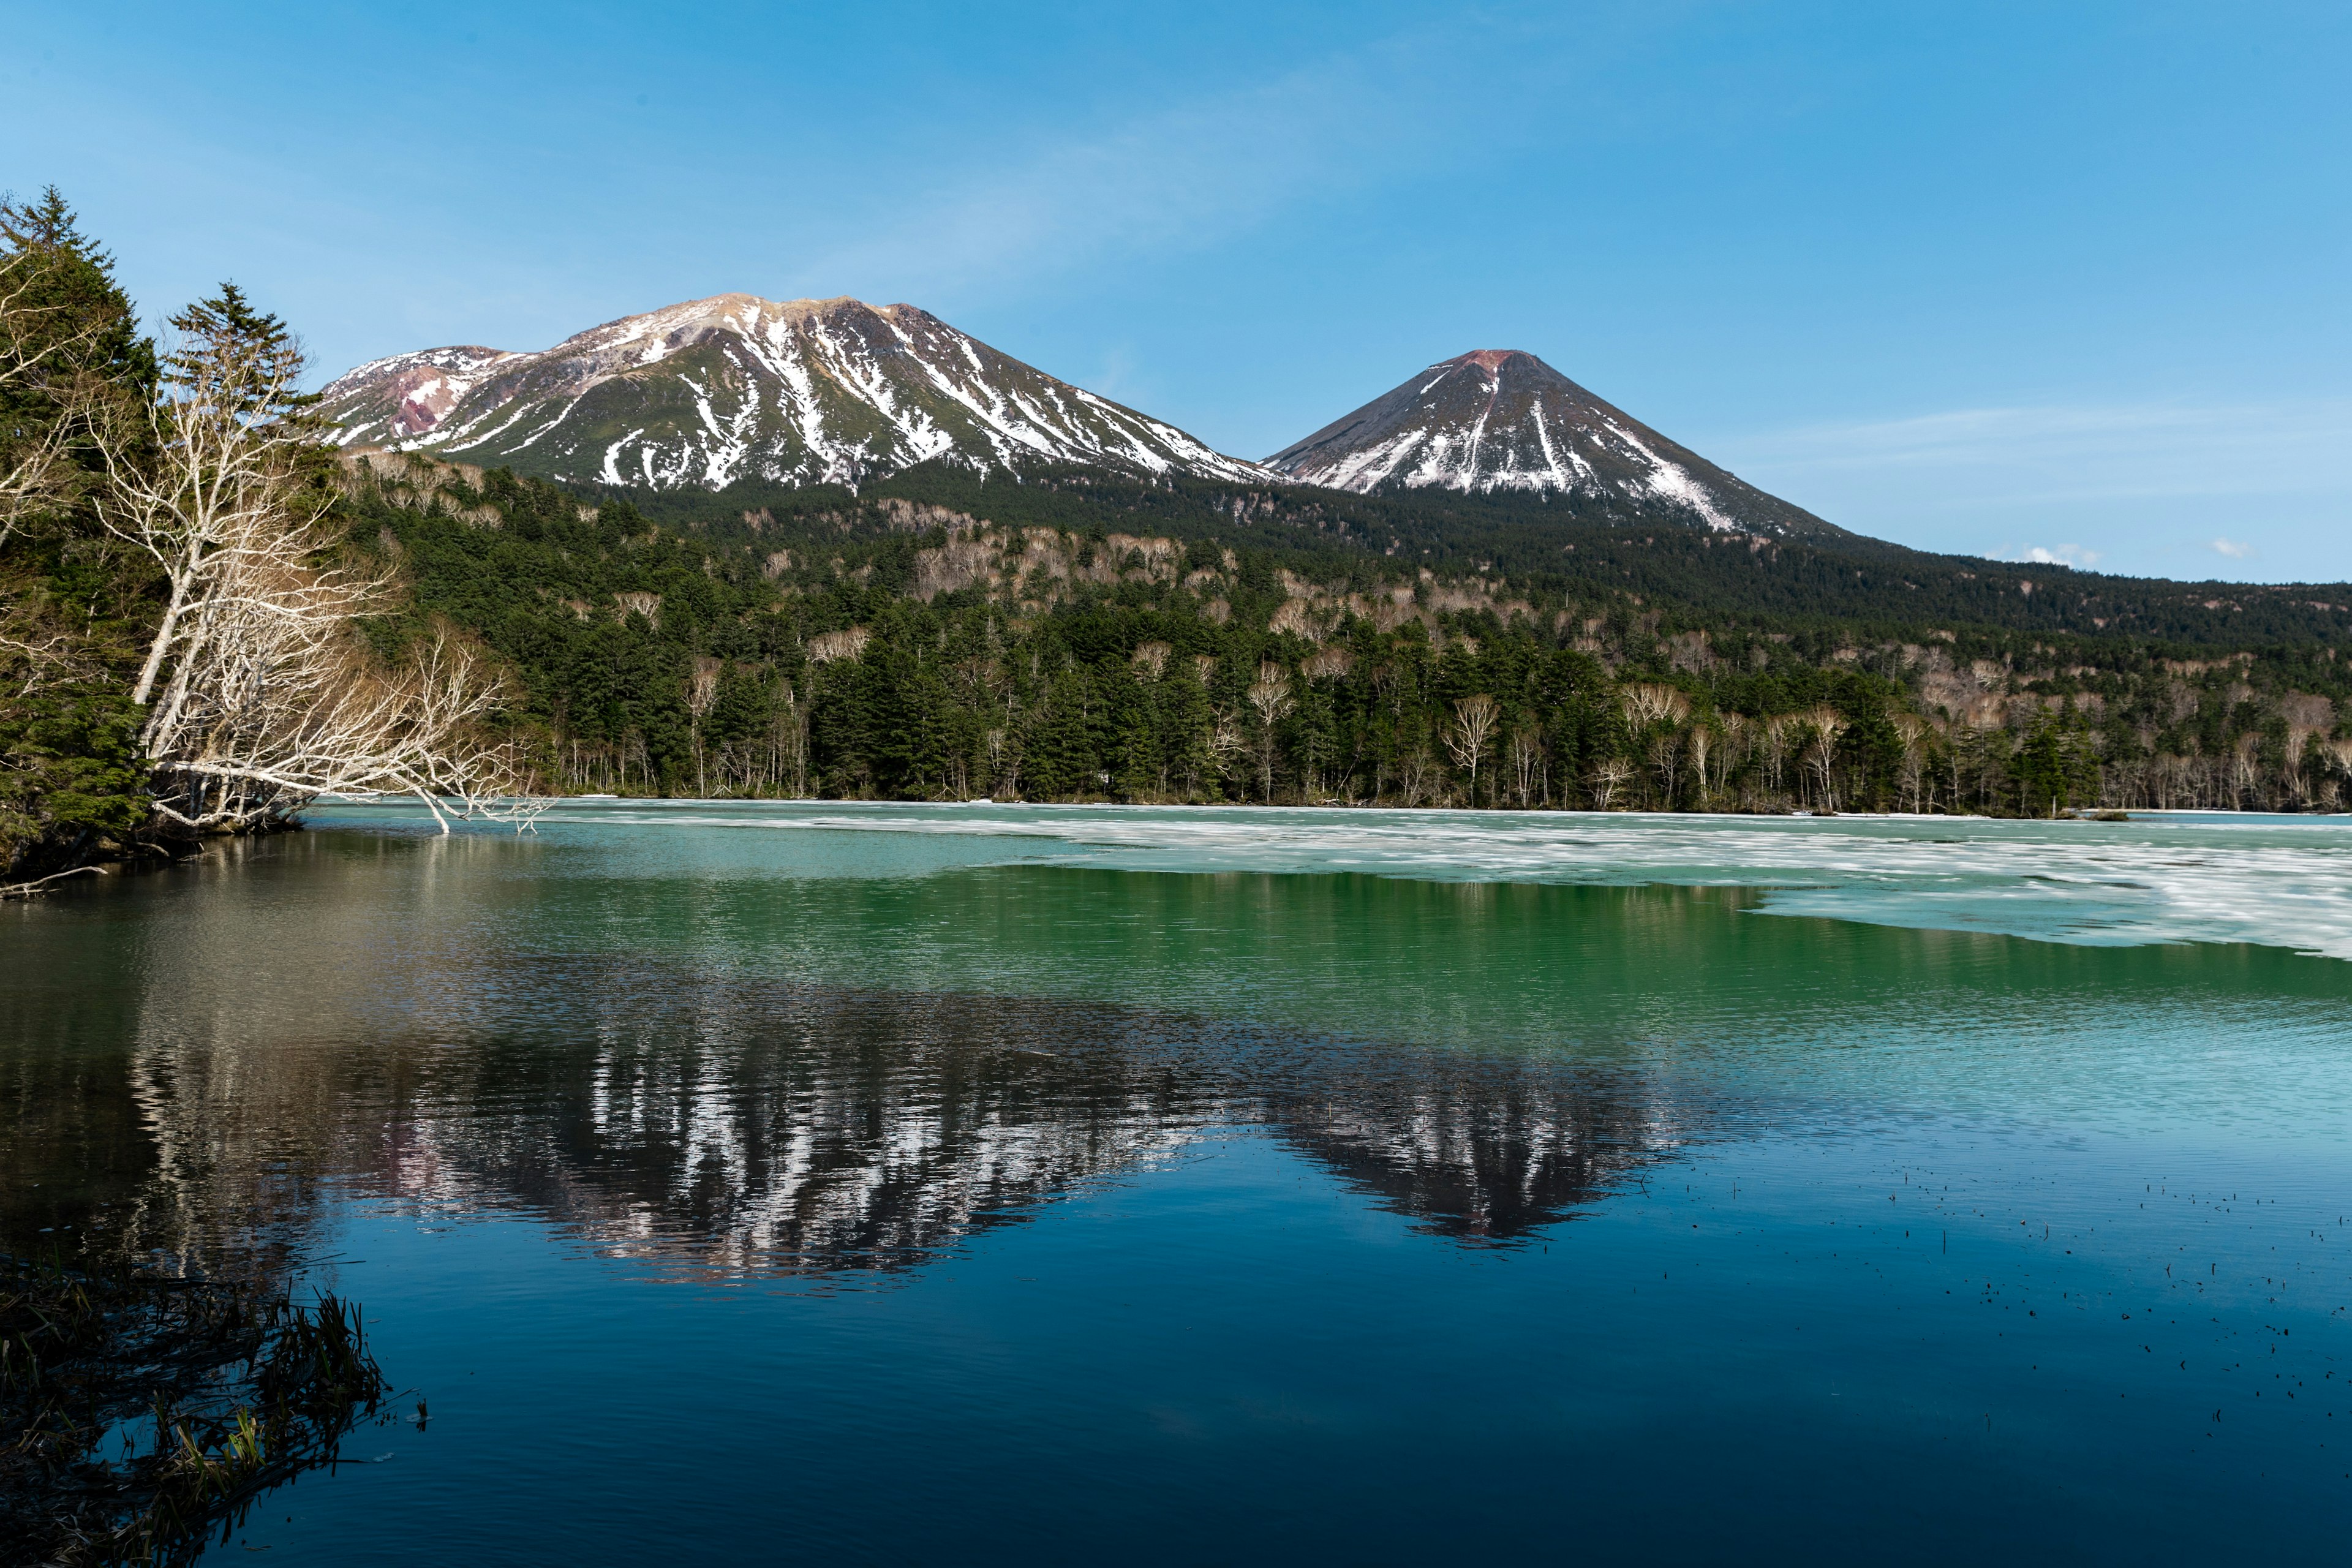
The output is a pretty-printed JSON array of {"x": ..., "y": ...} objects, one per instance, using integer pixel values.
[
  {"x": 719, "y": 1126},
  {"x": 687, "y": 1050}
]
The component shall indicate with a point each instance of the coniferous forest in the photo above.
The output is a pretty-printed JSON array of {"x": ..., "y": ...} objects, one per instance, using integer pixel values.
[
  {"x": 469, "y": 638},
  {"x": 1113, "y": 644}
]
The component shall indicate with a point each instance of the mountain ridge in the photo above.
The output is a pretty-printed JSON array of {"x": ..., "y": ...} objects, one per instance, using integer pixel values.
[
  {"x": 738, "y": 392},
  {"x": 709, "y": 392}
]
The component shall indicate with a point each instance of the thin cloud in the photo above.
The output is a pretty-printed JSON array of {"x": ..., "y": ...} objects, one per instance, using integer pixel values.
[
  {"x": 2136, "y": 488},
  {"x": 1183, "y": 177},
  {"x": 1982, "y": 457},
  {"x": 1193, "y": 174}
]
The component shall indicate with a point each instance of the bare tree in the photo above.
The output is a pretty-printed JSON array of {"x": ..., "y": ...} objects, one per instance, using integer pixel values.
[
  {"x": 1004, "y": 762},
  {"x": 1270, "y": 695},
  {"x": 788, "y": 738},
  {"x": 1773, "y": 740},
  {"x": 1526, "y": 757},
  {"x": 1414, "y": 774},
  {"x": 1822, "y": 725},
  {"x": 2338, "y": 753},
  {"x": 261, "y": 696},
  {"x": 32, "y": 471},
  {"x": 1647, "y": 702},
  {"x": 2308, "y": 716},
  {"x": 1474, "y": 720},
  {"x": 1913, "y": 731},
  {"x": 1702, "y": 746},
  {"x": 1610, "y": 776},
  {"x": 2245, "y": 769},
  {"x": 701, "y": 695},
  {"x": 1738, "y": 744},
  {"x": 1226, "y": 740},
  {"x": 1665, "y": 760}
]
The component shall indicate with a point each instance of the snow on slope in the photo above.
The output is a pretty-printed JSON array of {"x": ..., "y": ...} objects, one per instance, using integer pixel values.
[
  {"x": 407, "y": 394},
  {"x": 734, "y": 387},
  {"x": 1497, "y": 419}
]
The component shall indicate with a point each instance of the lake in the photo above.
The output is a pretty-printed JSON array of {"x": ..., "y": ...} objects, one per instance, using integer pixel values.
[{"x": 891, "y": 1183}]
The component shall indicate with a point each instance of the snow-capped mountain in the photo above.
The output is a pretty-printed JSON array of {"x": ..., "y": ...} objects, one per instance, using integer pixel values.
[
  {"x": 1497, "y": 419},
  {"x": 736, "y": 387}
]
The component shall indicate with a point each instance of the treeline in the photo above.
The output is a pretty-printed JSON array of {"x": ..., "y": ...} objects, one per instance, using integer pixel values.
[
  {"x": 1568, "y": 544},
  {"x": 885, "y": 648}
]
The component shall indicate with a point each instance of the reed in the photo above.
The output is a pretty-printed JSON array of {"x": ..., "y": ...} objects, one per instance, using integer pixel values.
[{"x": 141, "y": 1413}]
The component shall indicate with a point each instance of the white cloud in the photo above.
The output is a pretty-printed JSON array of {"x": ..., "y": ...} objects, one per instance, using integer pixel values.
[
  {"x": 2045, "y": 555},
  {"x": 2235, "y": 550}
]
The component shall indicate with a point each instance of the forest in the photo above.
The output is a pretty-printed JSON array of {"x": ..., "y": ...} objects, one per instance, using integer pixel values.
[
  {"x": 891, "y": 648},
  {"x": 210, "y": 618}
]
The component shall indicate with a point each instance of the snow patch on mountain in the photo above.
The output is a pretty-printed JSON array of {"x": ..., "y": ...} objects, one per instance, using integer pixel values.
[
  {"x": 1498, "y": 420},
  {"x": 710, "y": 391}
]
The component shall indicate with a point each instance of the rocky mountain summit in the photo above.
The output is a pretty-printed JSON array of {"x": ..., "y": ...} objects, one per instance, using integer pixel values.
[
  {"x": 735, "y": 387},
  {"x": 1498, "y": 420}
]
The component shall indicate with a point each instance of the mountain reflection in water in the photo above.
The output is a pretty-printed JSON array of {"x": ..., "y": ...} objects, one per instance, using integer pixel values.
[{"x": 719, "y": 1127}]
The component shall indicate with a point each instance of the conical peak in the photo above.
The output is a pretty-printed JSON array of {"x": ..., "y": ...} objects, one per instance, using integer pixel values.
[{"x": 1515, "y": 423}]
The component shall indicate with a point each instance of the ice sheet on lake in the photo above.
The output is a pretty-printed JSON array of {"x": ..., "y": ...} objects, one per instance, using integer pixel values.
[{"x": 2279, "y": 882}]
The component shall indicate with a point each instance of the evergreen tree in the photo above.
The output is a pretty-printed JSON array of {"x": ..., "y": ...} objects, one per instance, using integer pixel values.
[{"x": 72, "y": 602}]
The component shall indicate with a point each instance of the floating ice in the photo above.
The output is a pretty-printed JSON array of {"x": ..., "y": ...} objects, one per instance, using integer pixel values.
[{"x": 2275, "y": 881}]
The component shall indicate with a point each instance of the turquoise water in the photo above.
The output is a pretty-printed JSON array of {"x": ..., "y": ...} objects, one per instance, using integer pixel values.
[{"x": 890, "y": 1184}]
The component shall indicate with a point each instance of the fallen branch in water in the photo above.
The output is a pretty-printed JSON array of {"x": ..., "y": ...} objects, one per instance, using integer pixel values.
[{"x": 34, "y": 888}]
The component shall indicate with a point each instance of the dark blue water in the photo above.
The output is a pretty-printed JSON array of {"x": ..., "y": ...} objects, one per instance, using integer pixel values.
[{"x": 734, "y": 1198}]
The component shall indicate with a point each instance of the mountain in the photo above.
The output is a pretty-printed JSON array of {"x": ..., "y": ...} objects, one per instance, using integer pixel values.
[
  {"x": 735, "y": 387},
  {"x": 1500, "y": 420}
]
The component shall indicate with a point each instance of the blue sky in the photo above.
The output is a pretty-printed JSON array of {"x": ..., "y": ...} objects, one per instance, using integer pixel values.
[{"x": 1981, "y": 277}]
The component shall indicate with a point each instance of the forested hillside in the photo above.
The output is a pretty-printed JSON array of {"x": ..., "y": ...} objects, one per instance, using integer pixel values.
[
  {"x": 1080, "y": 639},
  {"x": 1574, "y": 542}
]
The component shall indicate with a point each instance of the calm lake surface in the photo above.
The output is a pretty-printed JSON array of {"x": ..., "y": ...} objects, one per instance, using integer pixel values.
[{"x": 764, "y": 1183}]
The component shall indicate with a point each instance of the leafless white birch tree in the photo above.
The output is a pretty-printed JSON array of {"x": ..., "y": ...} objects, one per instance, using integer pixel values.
[
  {"x": 261, "y": 694},
  {"x": 1823, "y": 724},
  {"x": 1270, "y": 695},
  {"x": 1474, "y": 719}
]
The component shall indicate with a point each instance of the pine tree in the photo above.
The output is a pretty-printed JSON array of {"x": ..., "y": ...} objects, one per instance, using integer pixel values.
[{"x": 71, "y": 603}]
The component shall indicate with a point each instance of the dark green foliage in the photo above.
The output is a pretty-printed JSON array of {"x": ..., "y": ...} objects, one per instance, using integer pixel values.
[
  {"x": 70, "y": 320},
  {"x": 73, "y": 601},
  {"x": 257, "y": 339},
  {"x": 1867, "y": 588},
  {"x": 827, "y": 644}
]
